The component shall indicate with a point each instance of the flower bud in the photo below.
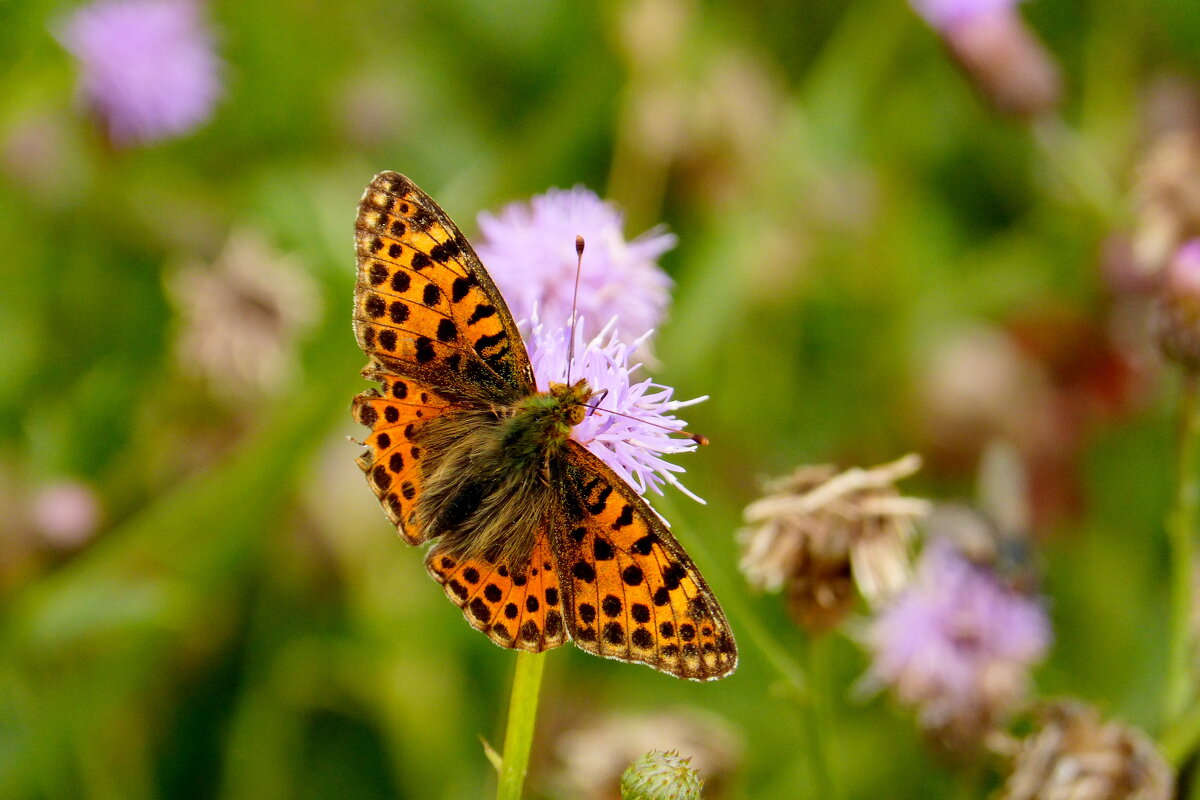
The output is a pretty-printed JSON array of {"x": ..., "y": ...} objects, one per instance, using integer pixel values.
[{"x": 661, "y": 776}]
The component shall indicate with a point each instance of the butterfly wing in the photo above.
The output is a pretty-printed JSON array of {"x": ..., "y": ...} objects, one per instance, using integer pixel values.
[
  {"x": 521, "y": 610},
  {"x": 424, "y": 307},
  {"x": 394, "y": 455},
  {"x": 630, "y": 591},
  {"x": 438, "y": 333}
]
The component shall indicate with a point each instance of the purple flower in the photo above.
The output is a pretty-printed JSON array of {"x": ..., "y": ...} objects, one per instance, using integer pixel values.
[
  {"x": 1182, "y": 276},
  {"x": 958, "y": 646},
  {"x": 632, "y": 445},
  {"x": 66, "y": 513},
  {"x": 1002, "y": 57},
  {"x": 529, "y": 250},
  {"x": 148, "y": 66},
  {"x": 1177, "y": 321},
  {"x": 943, "y": 15}
]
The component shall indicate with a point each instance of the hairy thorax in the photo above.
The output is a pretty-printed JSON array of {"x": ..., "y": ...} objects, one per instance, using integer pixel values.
[{"x": 487, "y": 478}]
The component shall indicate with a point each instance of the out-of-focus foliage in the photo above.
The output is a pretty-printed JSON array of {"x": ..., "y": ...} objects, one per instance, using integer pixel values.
[{"x": 870, "y": 261}]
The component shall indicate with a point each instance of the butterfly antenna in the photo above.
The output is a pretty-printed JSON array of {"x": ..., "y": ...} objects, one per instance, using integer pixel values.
[
  {"x": 698, "y": 438},
  {"x": 574, "y": 306}
]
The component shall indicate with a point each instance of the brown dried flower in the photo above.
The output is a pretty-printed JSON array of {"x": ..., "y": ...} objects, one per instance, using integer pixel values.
[
  {"x": 1167, "y": 193},
  {"x": 818, "y": 533},
  {"x": 1075, "y": 755},
  {"x": 242, "y": 316}
]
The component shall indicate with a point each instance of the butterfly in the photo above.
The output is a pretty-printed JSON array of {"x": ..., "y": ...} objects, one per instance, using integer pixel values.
[{"x": 533, "y": 536}]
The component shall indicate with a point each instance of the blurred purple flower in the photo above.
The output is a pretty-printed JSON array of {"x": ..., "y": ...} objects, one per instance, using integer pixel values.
[
  {"x": 945, "y": 14},
  {"x": 958, "y": 646},
  {"x": 631, "y": 445},
  {"x": 1183, "y": 273},
  {"x": 66, "y": 513},
  {"x": 529, "y": 250},
  {"x": 1001, "y": 55},
  {"x": 1177, "y": 322},
  {"x": 148, "y": 66}
]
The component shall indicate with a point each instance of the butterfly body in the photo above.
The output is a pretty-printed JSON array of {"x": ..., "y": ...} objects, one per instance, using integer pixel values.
[
  {"x": 533, "y": 536},
  {"x": 490, "y": 473}
]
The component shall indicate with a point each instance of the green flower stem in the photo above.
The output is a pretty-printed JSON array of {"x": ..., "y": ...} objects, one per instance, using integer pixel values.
[
  {"x": 818, "y": 718},
  {"x": 1179, "y": 741},
  {"x": 1067, "y": 153},
  {"x": 522, "y": 717},
  {"x": 1181, "y": 527}
]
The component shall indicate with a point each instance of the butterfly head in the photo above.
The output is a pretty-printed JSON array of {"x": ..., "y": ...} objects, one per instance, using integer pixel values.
[{"x": 570, "y": 400}]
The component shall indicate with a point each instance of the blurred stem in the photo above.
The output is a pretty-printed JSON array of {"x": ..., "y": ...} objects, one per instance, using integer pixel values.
[
  {"x": 1181, "y": 526},
  {"x": 522, "y": 717},
  {"x": 742, "y": 619},
  {"x": 818, "y": 717},
  {"x": 1179, "y": 740},
  {"x": 1081, "y": 170}
]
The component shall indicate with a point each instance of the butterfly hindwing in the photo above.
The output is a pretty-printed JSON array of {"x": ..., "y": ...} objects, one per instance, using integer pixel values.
[
  {"x": 518, "y": 609},
  {"x": 630, "y": 592},
  {"x": 424, "y": 305},
  {"x": 393, "y": 459}
]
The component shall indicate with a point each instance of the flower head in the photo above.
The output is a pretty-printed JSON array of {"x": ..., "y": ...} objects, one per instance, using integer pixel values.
[
  {"x": 661, "y": 776},
  {"x": 594, "y": 752},
  {"x": 529, "y": 250},
  {"x": 632, "y": 440},
  {"x": 991, "y": 43},
  {"x": 957, "y": 645},
  {"x": 1178, "y": 321},
  {"x": 1167, "y": 193},
  {"x": 241, "y": 316},
  {"x": 148, "y": 66},
  {"x": 942, "y": 15},
  {"x": 1076, "y": 754},
  {"x": 66, "y": 513},
  {"x": 818, "y": 532}
]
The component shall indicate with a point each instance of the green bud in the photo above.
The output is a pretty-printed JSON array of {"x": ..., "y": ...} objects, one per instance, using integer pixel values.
[{"x": 661, "y": 776}]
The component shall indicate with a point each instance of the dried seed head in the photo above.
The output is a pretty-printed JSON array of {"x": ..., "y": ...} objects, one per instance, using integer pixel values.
[
  {"x": 1075, "y": 754},
  {"x": 817, "y": 533},
  {"x": 1167, "y": 193}
]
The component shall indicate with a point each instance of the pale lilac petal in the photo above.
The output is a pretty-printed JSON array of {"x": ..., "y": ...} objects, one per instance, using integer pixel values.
[{"x": 529, "y": 250}]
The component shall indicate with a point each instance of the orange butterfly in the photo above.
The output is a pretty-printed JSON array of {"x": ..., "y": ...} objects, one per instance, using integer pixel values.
[{"x": 535, "y": 538}]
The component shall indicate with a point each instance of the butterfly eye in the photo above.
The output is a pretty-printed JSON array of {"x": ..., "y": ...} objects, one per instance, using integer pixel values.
[{"x": 575, "y": 415}]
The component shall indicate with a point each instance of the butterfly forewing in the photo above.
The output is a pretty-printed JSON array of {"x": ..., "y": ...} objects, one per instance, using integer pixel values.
[
  {"x": 424, "y": 305},
  {"x": 520, "y": 609},
  {"x": 630, "y": 590}
]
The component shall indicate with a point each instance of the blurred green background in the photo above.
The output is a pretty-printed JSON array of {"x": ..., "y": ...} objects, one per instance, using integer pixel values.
[{"x": 233, "y": 617}]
